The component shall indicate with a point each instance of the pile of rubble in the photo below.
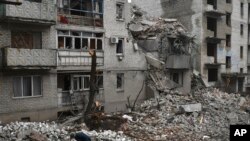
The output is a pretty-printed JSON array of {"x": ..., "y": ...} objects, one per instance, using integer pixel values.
[
  {"x": 206, "y": 114},
  {"x": 51, "y": 131}
]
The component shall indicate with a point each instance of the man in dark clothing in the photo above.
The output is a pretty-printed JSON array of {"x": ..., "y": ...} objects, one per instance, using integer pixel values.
[{"x": 80, "y": 136}]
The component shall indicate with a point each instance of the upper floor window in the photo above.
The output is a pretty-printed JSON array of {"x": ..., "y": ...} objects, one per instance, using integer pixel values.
[
  {"x": 241, "y": 29},
  {"x": 241, "y": 9},
  {"x": 80, "y": 40},
  {"x": 27, "y": 86},
  {"x": 228, "y": 40},
  {"x": 80, "y": 12},
  {"x": 228, "y": 1},
  {"x": 120, "y": 11},
  {"x": 120, "y": 46},
  {"x": 228, "y": 19},
  {"x": 26, "y": 39}
]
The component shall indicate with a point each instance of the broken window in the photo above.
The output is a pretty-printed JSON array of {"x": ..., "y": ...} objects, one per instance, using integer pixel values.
[
  {"x": 212, "y": 75},
  {"x": 81, "y": 12},
  {"x": 241, "y": 70},
  {"x": 63, "y": 82},
  {"x": 176, "y": 78},
  {"x": 211, "y": 49},
  {"x": 241, "y": 29},
  {"x": 241, "y": 9},
  {"x": 28, "y": 40},
  {"x": 228, "y": 61},
  {"x": 100, "y": 81},
  {"x": 120, "y": 11},
  {"x": 119, "y": 47},
  {"x": 120, "y": 81},
  {"x": 228, "y": 19},
  {"x": 241, "y": 52},
  {"x": 85, "y": 43},
  {"x": 228, "y": 40},
  {"x": 228, "y": 1},
  {"x": 92, "y": 43},
  {"x": 212, "y": 25},
  {"x": 79, "y": 40},
  {"x": 213, "y": 3},
  {"x": 27, "y": 86},
  {"x": 77, "y": 43},
  {"x": 99, "y": 44}
]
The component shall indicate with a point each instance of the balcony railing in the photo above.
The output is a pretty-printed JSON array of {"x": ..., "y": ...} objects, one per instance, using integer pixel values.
[
  {"x": 17, "y": 57},
  {"x": 32, "y": 12},
  {"x": 78, "y": 58},
  {"x": 64, "y": 97},
  {"x": 80, "y": 17}
]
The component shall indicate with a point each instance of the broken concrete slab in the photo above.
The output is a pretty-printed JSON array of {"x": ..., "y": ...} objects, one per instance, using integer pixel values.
[
  {"x": 191, "y": 108},
  {"x": 170, "y": 20},
  {"x": 154, "y": 61},
  {"x": 136, "y": 27}
]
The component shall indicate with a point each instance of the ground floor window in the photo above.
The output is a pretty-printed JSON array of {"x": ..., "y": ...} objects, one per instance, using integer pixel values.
[
  {"x": 212, "y": 75},
  {"x": 27, "y": 86},
  {"x": 120, "y": 81}
]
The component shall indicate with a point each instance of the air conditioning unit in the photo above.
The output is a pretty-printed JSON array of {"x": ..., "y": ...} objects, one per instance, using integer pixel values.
[{"x": 114, "y": 40}]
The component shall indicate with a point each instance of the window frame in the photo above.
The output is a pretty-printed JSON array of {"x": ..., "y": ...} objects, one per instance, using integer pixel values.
[
  {"x": 32, "y": 86},
  {"x": 122, "y": 76},
  {"x": 123, "y": 11},
  {"x": 82, "y": 37},
  {"x": 123, "y": 46},
  {"x": 79, "y": 88}
]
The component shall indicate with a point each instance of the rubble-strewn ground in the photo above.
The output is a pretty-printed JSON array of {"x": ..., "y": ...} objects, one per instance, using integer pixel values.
[{"x": 168, "y": 117}]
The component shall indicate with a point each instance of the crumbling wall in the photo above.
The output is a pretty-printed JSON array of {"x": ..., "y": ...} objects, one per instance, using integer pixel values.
[{"x": 131, "y": 63}]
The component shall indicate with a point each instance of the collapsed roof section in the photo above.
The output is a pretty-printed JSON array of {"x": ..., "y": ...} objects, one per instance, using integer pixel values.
[{"x": 172, "y": 36}]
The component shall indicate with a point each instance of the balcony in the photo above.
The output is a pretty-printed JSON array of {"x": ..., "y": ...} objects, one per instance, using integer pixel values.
[
  {"x": 212, "y": 38},
  {"x": 36, "y": 12},
  {"x": 212, "y": 12},
  {"x": 178, "y": 62},
  {"x": 28, "y": 58},
  {"x": 80, "y": 12},
  {"x": 211, "y": 62},
  {"x": 78, "y": 58}
]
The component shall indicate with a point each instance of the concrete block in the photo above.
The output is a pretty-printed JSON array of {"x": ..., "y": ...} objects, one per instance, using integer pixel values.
[{"x": 191, "y": 108}]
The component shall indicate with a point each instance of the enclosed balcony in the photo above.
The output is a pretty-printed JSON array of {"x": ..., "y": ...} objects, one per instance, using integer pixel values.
[
  {"x": 30, "y": 11},
  {"x": 80, "y": 12}
]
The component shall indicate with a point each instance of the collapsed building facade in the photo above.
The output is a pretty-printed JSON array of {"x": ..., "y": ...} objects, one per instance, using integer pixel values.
[
  {"x": 222, "y": 32},
  {"x": 45, "y": 61}
]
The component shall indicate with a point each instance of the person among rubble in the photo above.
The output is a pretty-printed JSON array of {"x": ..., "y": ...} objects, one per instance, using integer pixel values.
[{"x": 79, "y": 136}]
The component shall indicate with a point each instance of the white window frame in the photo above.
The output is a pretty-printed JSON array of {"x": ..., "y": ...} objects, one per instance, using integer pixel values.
[
  {"x": 78, "y": 85},
  {"x": 32, "y": 86},
  {"x": 82, "y": 36}
]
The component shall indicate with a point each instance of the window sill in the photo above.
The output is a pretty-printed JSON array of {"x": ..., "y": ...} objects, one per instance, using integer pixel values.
[
  {"x": 120, "y": 90},
  {"x": 27, "y": 97},
  {"x": 120, "y": 20},
  {"x": 120, "y": 55}
]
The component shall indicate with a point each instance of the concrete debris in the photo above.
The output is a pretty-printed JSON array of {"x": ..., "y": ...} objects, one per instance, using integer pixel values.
[
  {"x": 154, "y": 62},
  {"x": 191, "y": 108},
  {"x": 38, "y": 131}
]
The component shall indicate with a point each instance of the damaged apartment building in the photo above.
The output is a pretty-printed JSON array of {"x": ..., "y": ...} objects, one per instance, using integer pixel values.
[
  {"x": 45, "y": 57},
  {"x": 222, "y": 32},
  {"x": 45, "y": 61}
]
